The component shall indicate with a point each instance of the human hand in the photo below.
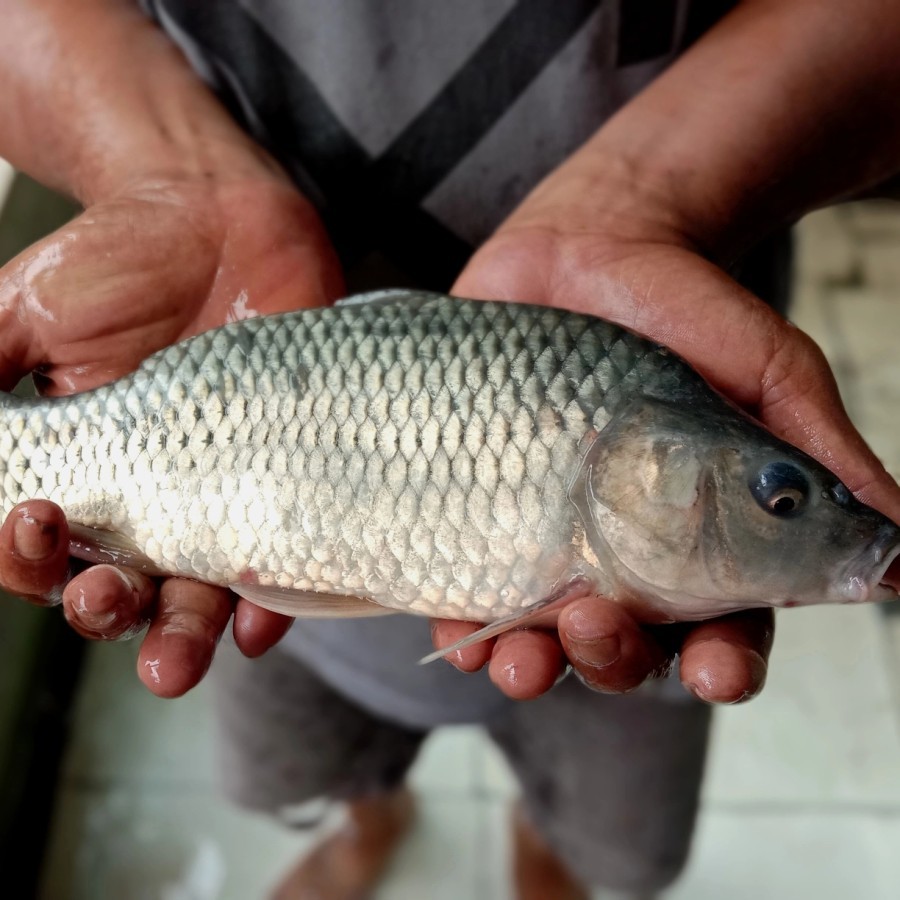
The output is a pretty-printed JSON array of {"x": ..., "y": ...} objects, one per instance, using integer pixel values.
[
  {"x": 625, "y": 256},
  {"x": 160, "y": 260}
]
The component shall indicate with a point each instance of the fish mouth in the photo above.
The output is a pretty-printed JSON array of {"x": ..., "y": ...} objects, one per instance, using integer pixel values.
[{"x": 867, "y": 581}]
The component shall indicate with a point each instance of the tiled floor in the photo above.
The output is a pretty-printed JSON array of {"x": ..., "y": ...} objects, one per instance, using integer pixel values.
[{"x": 802, "y": 797}]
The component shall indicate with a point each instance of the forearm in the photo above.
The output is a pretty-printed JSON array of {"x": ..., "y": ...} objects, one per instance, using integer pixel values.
[
  {"x": 785, "y": 106},
  {"x": 95, "y": 95}
]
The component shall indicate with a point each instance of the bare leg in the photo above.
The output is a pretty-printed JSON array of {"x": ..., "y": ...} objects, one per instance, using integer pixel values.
[
  {"x": 537, "y": 872},
  {"x": 348, "y": 864}
]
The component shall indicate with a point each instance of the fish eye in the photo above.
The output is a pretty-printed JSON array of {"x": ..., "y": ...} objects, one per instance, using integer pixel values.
[{"x": 781, "y": 489}]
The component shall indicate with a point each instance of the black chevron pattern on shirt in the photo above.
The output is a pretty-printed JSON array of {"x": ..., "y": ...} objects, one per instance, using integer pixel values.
[{"x": 374, "y": 203}]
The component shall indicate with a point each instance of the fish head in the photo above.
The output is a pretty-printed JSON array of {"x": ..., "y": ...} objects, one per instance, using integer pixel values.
[{"x": 700, "y": 511}]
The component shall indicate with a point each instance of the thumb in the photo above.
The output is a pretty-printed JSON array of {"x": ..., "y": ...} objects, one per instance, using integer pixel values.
[
  {"x": 800, "y": 401},
  {"x": 17, "y": 356},
  {"x": 762, "y": 362}
]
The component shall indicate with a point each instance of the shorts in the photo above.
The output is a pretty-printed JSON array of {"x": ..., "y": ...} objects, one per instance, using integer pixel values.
[{"x": 611, "y": 782}]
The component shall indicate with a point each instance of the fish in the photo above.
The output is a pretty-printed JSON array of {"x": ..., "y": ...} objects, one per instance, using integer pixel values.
[{"x": 415, "y": 452}]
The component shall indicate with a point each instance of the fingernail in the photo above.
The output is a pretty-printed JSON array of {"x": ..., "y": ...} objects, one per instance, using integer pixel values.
[
  {"x": 110, "y": 615},
  {"x": 597, "y": 653},
  {"x": 590, "y": 645},
  {"x": 747, "y": 695},
  {"x": 34, "y": 540},
  {"x": 701, "y": 694},
  {"x": 697, "y": 691},
  {"x": 728, "y": 687},
  {"x": 131, "y": 582}
]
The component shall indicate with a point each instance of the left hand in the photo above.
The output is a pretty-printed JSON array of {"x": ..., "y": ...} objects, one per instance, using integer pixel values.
[
  {"x": 628, "y": 261},
  {"x": 160, "y": 260}
]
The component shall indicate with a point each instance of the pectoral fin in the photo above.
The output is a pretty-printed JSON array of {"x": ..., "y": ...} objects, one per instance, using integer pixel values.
[
  {"x": 540, "y": 614},
  {"x": 507, "y": 623}
]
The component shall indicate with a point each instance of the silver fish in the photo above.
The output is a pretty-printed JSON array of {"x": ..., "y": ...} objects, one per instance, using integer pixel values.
[{"x": 454, "y": 458}]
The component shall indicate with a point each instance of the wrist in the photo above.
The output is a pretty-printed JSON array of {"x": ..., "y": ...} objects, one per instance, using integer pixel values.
[
  {"x": 112, "y": 101},
  {"x": 738, "y": 149},
  {"x": 173, "y": 129},
  {"x": 720, "y": 151},
  {"x": 200, "y": 159},
  {"x": 606, "y": 198}
]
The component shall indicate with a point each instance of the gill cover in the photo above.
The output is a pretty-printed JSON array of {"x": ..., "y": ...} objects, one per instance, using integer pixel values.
[{"x": 647, "y": 497}]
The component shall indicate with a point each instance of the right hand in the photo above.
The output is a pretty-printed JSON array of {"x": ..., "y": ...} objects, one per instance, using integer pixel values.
[
  {"x": 586, "y": 241},
  {"x": 161, "y": 260}
]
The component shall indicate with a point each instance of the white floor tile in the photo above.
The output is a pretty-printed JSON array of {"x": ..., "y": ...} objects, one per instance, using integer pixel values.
[
  {"x": 123, "y": 734},
  {"x": 860, "y": 315},
  {"x": 495, "y": 778},
  {"x": 823, "y": 730},
  {"x": 447, "y": 763},
  {"x": 824, "y": 252},
  {"x": 163, "y": 844},
  {"x": 792, "y": 856},
  {"x": 132, "y": 844},
  {"x": 449, "y": 856},
  {"x": 809, "y": 313},
  {"x": 462, "y": 759},
  {"x": 494, "y": 870},
  {"x": 867, "y": 321}
]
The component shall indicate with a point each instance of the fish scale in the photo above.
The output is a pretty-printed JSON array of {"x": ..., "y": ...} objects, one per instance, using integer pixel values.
[{"x": 416, "y": 450}]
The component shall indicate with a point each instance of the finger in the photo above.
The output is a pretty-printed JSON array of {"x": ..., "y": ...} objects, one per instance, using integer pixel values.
[
  {"x": 34, "y": 552},
  {"x": 109, "y": 603},
  {"x": 181, "y": 640},
  {"x": 526, "y": 664},
  {"x": 801, "y": 403},
  {"x": 257, "y": 630},
  {"x": 726, "y": 660},
  {"x": 445, "y": 632},
  {"x": 609, "y": 651}
]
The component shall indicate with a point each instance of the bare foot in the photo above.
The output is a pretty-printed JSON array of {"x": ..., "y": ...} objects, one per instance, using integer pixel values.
[
  {"x": 348, "y": 864},
  {"x": 537, "y": 872}
]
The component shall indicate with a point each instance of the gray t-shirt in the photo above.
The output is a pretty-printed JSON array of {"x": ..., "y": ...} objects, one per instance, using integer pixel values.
[{"x": 416, "y": 128}]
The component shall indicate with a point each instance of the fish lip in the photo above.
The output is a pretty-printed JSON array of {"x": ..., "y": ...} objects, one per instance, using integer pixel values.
[
  {"x": 889, "y": 591},
  {"x": 875, "y": 560}
]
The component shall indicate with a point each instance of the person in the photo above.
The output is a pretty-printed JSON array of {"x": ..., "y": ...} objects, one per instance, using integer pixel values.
[{"x": 601, "y": 158}]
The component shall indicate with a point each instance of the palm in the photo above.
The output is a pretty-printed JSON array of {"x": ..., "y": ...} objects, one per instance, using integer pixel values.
[
  {"x": 664, "y": 290},
  {"x": 164, "y": 261}
]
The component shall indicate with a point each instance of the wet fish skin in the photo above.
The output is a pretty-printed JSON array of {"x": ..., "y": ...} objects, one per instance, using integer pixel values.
[
  {"x": 354, "y": 449},
  {"x": 427, "y": 453}
]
